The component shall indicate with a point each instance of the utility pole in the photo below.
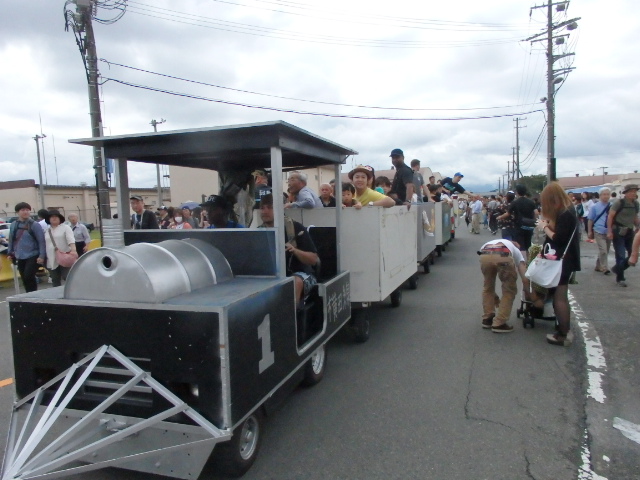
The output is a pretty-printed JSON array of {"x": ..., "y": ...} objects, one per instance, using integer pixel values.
[
  {"x": 37, "y": 139},
  {"x": 509, "y": 174},
  {"x": 81, "y": 22},
  {"x": 517, "y": 166},
  {"x": 154, "y": 123},
  {"x": 553, "y": 76}
]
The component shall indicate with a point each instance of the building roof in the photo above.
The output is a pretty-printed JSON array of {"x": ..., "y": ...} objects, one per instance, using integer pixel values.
[
  {"x": 234, "y": 147},
  {"x": 588, "y": 181},
  {"x": 12, "y": 184}
]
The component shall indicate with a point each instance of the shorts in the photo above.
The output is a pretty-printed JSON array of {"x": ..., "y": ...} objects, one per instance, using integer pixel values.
[{"x": 308, "y": 281}]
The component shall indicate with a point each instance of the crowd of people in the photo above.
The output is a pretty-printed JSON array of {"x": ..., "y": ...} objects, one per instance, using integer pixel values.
[{"x": 559, "y": 220}]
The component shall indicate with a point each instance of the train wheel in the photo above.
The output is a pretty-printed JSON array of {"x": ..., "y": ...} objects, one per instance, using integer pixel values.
[
  {"x": 360, "y": 325},
  {"x": 314, "y": 369},
  {"x": 396, "y": 298},
  {"x": 413, "y": 282},
  {"x": 426, "y": 267},
  {"x": 439, "y": 250},
  {"x": 432, "y": 258},
  {"x": 235, "y": 457}
]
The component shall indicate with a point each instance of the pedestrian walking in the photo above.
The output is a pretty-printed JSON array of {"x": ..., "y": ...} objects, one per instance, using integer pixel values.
[
  {"x": 142, "y": 218},
  {"x": 476, "y": 213},
  {"x": 80, "y": 234},
  {"x": 60, "y": 237},
  {"x": 26, "y": 246},
  {"x": 560, "y": 224},
  {"x": 597, "y": 229},
  {"x": 524, "y": 214},
  {"x": 621, "y": 225}
]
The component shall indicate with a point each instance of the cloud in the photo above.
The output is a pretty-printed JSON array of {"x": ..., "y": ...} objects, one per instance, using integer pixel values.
[{"x": 595, "y": 108}]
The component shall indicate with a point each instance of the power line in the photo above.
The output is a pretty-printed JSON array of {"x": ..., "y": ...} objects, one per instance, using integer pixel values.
[
  {"x": 347, "y": 16},
  {"x": 256, "y": 30},
  {"x": 305, "y": 100},
  {"x": 302, "y": 112}
]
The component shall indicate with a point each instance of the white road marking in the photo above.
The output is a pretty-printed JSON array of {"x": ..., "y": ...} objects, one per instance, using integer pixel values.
[
  {"x": 596, "y": 363},
  {"x": 628, "y": 429},
  {"x": 596, "y": 368}
]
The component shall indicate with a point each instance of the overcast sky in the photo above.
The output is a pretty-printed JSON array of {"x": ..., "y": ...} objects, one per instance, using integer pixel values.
[{"x": 435, "y": 60}]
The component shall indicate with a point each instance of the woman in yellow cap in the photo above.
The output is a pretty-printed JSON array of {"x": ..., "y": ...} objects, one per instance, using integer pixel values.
[{"x": 360, "y": 177}]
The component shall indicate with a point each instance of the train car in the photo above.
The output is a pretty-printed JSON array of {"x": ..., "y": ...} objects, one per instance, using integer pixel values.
[
  {"x": 443, "y": 226},
  {"x": 426, "y": 234},
  {"x": 157, "y": 351},
  {"x": 378, "y": 246}
]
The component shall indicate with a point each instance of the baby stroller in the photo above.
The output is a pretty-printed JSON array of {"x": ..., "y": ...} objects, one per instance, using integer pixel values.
[{"x": 528, "y": 311}]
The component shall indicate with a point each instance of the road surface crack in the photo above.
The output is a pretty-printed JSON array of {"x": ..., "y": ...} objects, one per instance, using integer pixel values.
[
  {"x": 467, "y": 414},
  {"x": 528, "y": 466}
]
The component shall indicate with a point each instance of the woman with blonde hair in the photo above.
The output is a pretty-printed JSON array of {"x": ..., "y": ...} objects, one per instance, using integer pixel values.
[{"x": 560, "y": 225}]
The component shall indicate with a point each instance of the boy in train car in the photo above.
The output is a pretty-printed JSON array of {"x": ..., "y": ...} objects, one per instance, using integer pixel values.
[{"x": 301, "y": 253}]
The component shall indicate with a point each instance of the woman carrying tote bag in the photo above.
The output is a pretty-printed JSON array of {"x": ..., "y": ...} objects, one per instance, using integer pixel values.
[
  {"x": 59, "y": 236},
  {"x": 559, "y": 223}
]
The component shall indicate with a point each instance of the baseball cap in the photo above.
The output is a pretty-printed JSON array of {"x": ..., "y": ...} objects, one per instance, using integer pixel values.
[
  {"x": 458, "y": 175},
  {"x": 135, "y": 197},
  {"x": 396, "y": 151},
  {"x": 215, "y": 201}
]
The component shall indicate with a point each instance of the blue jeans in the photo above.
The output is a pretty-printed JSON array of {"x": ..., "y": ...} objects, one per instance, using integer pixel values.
[{"x": 622, "y": 248}]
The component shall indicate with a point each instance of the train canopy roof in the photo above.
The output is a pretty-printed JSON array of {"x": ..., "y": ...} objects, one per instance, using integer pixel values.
[{"x": 240, "y": 147}]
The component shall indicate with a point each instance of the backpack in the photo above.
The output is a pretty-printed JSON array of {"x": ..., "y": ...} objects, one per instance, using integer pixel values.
[
  {"x": 636, "y": 205},
  {"x": 621, "y": 202},
  {"x": 13, "y": 231}
]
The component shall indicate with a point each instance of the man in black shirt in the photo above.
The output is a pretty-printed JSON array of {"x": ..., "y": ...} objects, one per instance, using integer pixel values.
[
  {"x": 300, "y": 252},
  {"x": 524, "y": 214},
  {"x": 452, "y": 184},
  {"x": 402, "y": 187},
  {"x": 142, "y": 219}
]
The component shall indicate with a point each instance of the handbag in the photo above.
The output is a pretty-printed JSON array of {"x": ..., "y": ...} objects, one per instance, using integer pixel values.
[
  {"x": 64, "y": 259},
  {"x": 544, "y": 271}
]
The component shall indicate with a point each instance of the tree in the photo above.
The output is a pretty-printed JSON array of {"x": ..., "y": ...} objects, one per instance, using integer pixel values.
[{"x": 534, "y": 183}]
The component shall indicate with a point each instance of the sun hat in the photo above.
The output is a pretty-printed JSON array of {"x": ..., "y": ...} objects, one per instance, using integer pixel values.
[
  {"x": 630, "y": 186},
  {"x": 54, "y": 213},
  {"x": 366, "y": 169}
]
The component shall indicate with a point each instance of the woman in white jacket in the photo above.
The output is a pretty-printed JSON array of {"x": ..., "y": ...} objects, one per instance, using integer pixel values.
[{"x": 60, "y": 236}]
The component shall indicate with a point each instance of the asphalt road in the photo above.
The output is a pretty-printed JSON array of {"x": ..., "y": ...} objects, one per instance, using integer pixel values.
[{"x": 432, "y": 395}]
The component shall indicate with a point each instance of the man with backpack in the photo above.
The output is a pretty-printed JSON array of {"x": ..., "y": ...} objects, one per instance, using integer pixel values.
[
  {"x": 597, "y": 229},
  {"x": 621, "y": 226},
  {"x": 26, "y": 246}
]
